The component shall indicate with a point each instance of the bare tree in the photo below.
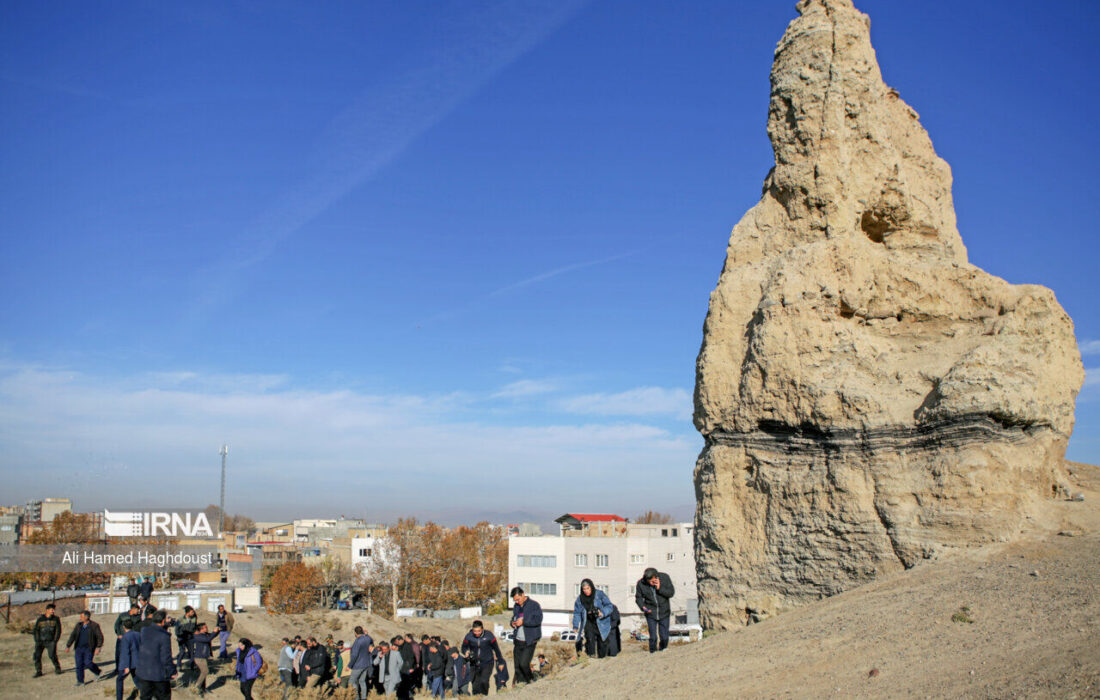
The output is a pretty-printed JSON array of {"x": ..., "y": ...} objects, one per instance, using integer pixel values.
[
  {"x": 652, "y": 517},
  {"x": 233, "y": 523},
  {"x": 383, "y": 569}
]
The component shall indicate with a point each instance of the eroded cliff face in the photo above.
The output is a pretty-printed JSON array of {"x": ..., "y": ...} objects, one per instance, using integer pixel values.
[{"x": 867, "y": 396}]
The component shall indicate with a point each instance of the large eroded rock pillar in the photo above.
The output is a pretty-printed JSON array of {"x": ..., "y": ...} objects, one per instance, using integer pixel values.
[{"x": 867, "y": 396}]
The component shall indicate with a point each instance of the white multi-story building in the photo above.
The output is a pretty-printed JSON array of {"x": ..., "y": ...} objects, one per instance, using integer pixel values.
[
  {"x": 610, "y": 551},
  {"x": 363, "y": 551},
  {"x": 303, "y": 526}
]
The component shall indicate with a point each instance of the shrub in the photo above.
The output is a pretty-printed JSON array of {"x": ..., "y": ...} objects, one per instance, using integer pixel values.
[{"x": 963, "y": 616}]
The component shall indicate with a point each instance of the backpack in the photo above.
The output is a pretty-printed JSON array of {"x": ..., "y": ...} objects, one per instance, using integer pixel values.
[{"x": 263, "y": 663}]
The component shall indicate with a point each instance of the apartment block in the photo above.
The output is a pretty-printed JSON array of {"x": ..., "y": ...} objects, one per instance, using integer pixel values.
[{"x": 613, "y": 553}]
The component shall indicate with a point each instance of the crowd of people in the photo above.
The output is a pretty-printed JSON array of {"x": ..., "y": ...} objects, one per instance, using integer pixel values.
[
  {"x": 401, "y": 666},
  {"x": 143, "y": 649}
]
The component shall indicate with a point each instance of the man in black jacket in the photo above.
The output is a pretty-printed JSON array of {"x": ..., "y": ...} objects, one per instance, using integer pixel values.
[
  {"x": 527, "y": 623},
  {"x": 86, "y": 639},
  {"x": 201, "y": 643},
  {"x": 435, "y": 665},
  {"x": 145, "y": 590},
  {"x": 405, "y": 687},
  {"x": 484, "y": 653},
  {"x": 145, "y": 613},
  {"x": 47, "y": 632},
  {"x": 133, "y": 591},
  {"x": 314, "y": 663},
  {"x": 653, "y": 594}
]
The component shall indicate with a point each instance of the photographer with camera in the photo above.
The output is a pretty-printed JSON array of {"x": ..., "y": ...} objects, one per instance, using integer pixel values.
[
  {"x": 592, "y": 618},
  {"x": 481, "y": 647}
]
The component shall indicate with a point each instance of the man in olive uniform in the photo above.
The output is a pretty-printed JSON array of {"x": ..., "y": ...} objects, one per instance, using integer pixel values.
[
  {"x": 47, "y": 632},
  {"x": 135, "y": 617}
]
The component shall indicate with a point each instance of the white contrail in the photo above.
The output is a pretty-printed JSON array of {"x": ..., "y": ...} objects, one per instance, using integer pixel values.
[
  {"x": 557, "y": 271},
  {"x": 374, "y": 130}
]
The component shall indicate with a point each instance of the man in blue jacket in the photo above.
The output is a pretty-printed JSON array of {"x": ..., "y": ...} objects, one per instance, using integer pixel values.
[
  {"x": 527, "y": 623},
  {"x": 482, "y": 649},
  {"x": 128, "y": 645},
  {"x": 361, "y": 663},
  {"x": 155, "y": 668}
]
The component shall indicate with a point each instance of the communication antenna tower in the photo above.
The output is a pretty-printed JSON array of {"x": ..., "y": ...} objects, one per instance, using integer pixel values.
[{"x": 224, "y": 452}]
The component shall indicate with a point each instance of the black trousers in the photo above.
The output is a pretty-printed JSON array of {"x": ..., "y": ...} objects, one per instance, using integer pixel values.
[
  {"x": 482, "y": 676},
  {"x": 406, "y": 686},
  {"x": 154, "y": 690},
  {"x": 657, "y": 628},
  {"x": 246, "y": 688},
  {"x": 521, "y": 657},
  {"x": 185, "y": 649},
  {"x": 594, "y": 645},
  {"x": 51, "y": 649}
]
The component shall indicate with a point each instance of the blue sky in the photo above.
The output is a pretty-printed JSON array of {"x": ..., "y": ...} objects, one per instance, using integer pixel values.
[{"x": 447, "y": 258}]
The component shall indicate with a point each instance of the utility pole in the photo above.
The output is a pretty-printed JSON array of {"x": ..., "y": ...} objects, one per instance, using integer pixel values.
[{"x": 224, "y": 452}]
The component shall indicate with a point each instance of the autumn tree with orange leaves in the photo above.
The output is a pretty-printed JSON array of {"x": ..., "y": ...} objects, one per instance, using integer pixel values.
[
  {"x": 66, "y": 528},
  {"x": 295, "y": 588}
]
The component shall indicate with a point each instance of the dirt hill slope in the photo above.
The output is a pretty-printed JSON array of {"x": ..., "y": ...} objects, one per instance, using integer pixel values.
[{"x": 1035, "y": 606}]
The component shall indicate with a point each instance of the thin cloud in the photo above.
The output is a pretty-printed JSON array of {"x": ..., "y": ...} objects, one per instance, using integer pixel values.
[
  {"x": 217, "y": 382},
  {"x": 71, "y": 434},
  {"x": 541, "y": 277},
  {"x": 1092, "y": 377},
  {"x": 525, "y": 388},
  {"x": 643, "y": 401},
  {"x": 1089, "y": 347},
  {"x": 373, "y": 131}
]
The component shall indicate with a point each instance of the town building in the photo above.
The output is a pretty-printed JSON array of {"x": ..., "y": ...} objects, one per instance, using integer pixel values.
[
  {"x": 203, "y": 598},
  {"x": 40, "y": 513},
  {"x": 613, "y": 553},
  {"x": 10, "y": 526},
  {"x": 45, "y": 510},
  {"x": 525, "y": 529},
  {"x": 274, "y": 532}
]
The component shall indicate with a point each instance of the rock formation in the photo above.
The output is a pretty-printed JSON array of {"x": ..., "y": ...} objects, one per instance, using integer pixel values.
[{"x": 866, "y": 395}]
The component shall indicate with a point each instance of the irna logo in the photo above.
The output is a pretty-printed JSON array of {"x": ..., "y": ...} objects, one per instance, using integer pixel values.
[{"x": 156, "y": 524}]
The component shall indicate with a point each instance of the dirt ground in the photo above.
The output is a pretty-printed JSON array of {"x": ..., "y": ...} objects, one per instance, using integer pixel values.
[
  {"x": 1019, "y": 619},
  {"x": 1035, "y": 631}
]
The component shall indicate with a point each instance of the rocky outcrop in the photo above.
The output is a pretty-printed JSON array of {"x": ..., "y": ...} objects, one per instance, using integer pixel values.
[{"x": 866, "y": 395}]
